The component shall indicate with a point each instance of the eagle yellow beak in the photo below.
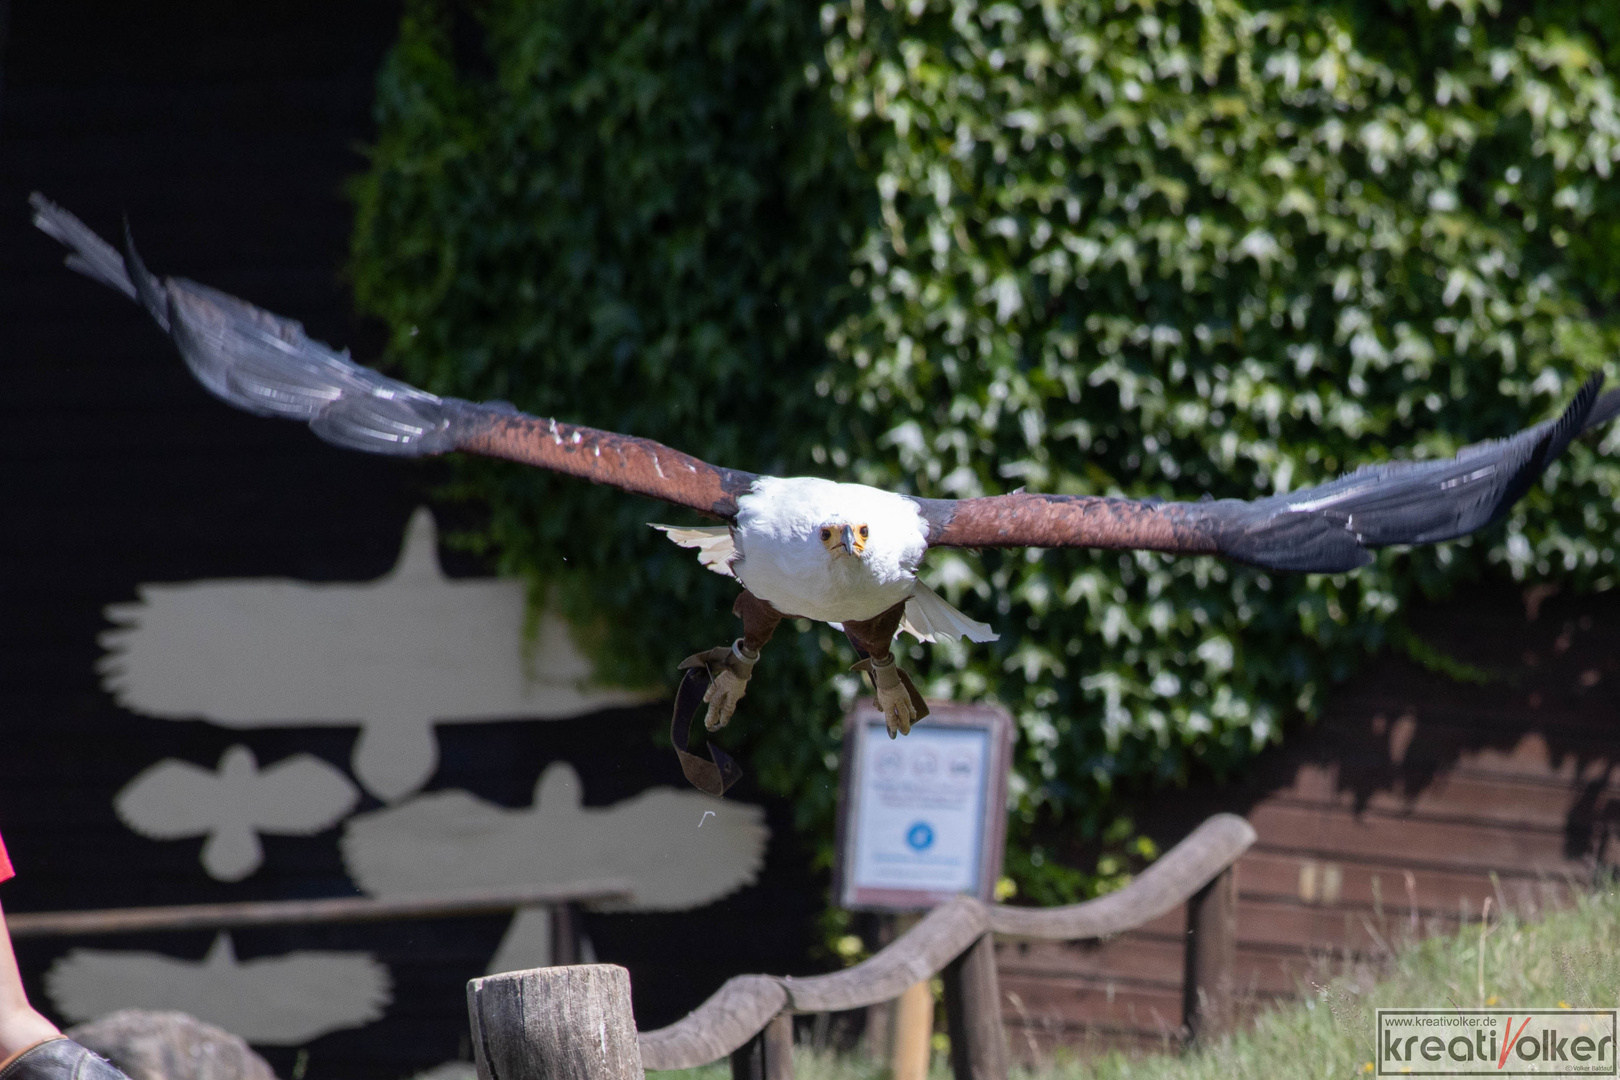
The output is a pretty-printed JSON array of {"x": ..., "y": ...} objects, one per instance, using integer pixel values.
[{"x": 848, "y": 535}]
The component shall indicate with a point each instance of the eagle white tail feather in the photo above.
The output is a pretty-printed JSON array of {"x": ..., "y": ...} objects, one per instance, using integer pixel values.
[
  {"x": 713, "y": 542},
  {"x": 930, "y": 618}
]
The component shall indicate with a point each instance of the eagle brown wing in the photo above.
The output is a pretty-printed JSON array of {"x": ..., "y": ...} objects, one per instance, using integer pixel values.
[
  {"x": 267, "y": 365},
  {"x": 1326, "y": 529}
]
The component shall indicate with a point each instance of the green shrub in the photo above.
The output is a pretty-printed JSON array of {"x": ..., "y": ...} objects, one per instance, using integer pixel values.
[
  {"x": 1086, "y": 246},
  {"x": 636, "y": 216}
]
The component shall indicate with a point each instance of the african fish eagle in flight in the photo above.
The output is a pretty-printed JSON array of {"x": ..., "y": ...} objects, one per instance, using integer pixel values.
[{"x": 804, "y": 547}]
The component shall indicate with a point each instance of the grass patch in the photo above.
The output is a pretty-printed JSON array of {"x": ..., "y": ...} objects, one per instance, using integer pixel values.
[{"x": 1567, "y": 958}]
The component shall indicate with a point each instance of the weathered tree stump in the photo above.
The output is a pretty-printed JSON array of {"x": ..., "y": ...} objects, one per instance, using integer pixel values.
[{"x": 555, "y": 1023}]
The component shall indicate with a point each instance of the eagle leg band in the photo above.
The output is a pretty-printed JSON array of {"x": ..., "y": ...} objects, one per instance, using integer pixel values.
[{"x": 729, "y": 667}]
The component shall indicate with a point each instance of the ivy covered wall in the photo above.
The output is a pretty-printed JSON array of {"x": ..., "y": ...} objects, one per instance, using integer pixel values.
[{"x": 1085, "y": 246}]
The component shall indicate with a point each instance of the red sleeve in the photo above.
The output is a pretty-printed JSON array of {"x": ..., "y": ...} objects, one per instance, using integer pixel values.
[{"x": 5, "y": 863}]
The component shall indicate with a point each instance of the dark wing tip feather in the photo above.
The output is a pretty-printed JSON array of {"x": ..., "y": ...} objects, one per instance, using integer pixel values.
[
  {"x": 406, "y": 425},
  {"x": 265, "y": 364},
  {"x": 1604, "y": 409},
  {"x": 258, "y": 361},
  {"x": 1544, "y": 450},
  {"x": 1330, "y": 528},
  {"x": 1257, "y": 534},
  {"x": 148, "y": 289},
  {"x": 88, "y": 253}
]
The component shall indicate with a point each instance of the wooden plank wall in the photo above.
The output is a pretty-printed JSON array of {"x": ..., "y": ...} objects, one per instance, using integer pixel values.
[{"x": 1412, "y": 801}]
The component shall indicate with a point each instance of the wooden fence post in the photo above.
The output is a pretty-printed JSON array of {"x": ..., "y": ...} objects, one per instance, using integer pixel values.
[
  {"x": 1209, "y": 988},
  {"x": 555, "y": 1023},
  {"x": 768, "y": 1055},
  {"x": 913, "y": 1032},
  {"x": 973, "y": 1013},
  {"x": 565, "y": 935},
  {"x": 879, "y": 1033}
]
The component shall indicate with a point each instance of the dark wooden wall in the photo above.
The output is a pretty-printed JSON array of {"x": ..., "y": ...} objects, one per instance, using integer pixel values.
[
  {"x": 1413, "y": 800},
  {"x": 225, "y": 132}
]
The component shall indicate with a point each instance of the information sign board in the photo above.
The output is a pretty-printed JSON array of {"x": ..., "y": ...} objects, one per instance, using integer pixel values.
[{"x": 923, "y": 817}]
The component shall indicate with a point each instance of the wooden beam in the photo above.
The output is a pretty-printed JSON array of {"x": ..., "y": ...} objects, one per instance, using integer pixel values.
[
  {"x": 554, "y": 1023},
  {"x": 1161, "y": 888},
  {"x": 730, "y": 1017},
  {"x": 973, "y": 1013},
  {"x": 283, "y": 912},
  {"x": 1209, "y": 988}
]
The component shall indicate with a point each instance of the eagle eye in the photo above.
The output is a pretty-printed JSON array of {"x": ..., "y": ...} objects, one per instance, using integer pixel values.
[
  {"x": 826, "y": 534},
  {"x": 863, "y": 532}
]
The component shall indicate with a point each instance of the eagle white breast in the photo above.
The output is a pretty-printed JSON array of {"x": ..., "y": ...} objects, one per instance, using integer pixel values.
[{"x": 781, "y": 557}]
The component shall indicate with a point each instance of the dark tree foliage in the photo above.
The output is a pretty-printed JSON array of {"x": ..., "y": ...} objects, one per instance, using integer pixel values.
[
  {"x": 637, "y": 216},
  {"x": 1136, "y": 247}
]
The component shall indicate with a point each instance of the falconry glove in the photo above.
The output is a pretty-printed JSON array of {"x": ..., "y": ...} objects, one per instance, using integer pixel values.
[
  {"x": 730, "y": 668},
  {"x": 897, "y": 699}
]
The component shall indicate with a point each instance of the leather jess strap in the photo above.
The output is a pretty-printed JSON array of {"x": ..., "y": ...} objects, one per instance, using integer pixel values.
[
  {"x": 715, "y": 776},
  {"x": 712, "y": 777}
]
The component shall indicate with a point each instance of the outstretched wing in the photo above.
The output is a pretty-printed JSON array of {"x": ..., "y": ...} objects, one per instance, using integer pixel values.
[
  {"x": 267, "y": 365},
  {"x": 1324, "y": 529}
]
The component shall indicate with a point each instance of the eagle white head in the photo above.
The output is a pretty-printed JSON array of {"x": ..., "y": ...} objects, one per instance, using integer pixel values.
[{"x": 827, "y": 551}]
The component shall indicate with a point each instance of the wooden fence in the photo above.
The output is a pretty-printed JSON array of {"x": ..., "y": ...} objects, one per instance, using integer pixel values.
[{"x": 575, "y": 1023}]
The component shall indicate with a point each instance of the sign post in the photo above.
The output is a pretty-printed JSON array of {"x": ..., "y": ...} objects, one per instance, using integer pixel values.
[{"x": 921, "y": 819}]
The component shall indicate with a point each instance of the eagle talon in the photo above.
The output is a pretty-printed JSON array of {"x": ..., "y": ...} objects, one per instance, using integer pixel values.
[
  {"x": 898, "y": 714},
  {"x": 729, "y": 671},
  {"x": 893, "y": 696}
]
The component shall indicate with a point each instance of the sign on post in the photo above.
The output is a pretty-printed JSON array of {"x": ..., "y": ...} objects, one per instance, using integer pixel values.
[{"x": 923, "y": 817}]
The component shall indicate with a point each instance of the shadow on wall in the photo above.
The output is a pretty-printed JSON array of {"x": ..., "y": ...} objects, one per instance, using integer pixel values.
[{"x": 1397, "y": 737}]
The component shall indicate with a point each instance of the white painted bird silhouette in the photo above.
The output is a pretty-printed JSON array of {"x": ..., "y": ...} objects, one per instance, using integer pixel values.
[
  {"x": 231, "y": 805},
  {"x": 273, "y": 1000},
  {"x": 394, "y": 656},
  {"x": 651, "y": 839},
  {"x": 678, "y": 849}
]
